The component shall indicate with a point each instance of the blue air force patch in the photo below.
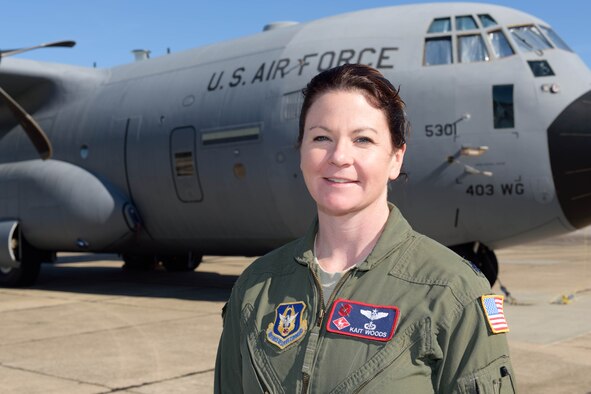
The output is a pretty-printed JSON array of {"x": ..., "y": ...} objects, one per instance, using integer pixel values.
[
  {"x": 357, "y": 319},
  {"x": 289, "y": 325}
]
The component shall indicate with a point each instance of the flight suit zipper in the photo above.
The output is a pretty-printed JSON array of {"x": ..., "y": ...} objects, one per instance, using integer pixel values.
[
  {"x": 315, "y": 333},
  {"x": 320, "y": 299},
  {"x": 338, "y": 286}
]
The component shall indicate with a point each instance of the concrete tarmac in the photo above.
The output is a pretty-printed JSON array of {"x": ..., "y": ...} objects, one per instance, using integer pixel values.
[{"x": 89, "y": 327}]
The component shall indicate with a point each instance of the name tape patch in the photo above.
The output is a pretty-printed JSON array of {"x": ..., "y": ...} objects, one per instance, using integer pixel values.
[
  {"x": 493, "y": 310},
  {"x": 289, "y": 324},
  {"x": 358, "y": 319}
]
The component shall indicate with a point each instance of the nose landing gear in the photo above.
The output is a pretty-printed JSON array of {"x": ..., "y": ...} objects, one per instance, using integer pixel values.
[{"x": 483, "y": 257}]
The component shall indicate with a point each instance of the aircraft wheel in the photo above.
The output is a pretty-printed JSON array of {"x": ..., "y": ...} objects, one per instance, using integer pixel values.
[
  {"x": 180, "y": 263},
  {"x": 489, "y": 265},
  {"x": 484, "y": 258},
  {"x": 28, "y": 272},
  {"x": 138, "y": 262}
]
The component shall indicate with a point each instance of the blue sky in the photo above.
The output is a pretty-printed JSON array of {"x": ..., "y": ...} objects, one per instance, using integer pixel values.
[{"x": 106, "y": 31}]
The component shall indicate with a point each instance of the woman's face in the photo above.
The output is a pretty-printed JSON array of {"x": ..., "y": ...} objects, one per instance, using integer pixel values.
[{"x": 347, "y": 156}]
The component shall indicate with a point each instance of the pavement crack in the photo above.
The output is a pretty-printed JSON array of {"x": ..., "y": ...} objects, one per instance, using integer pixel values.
[
  {"x": 135, "y": 386},
  {"x": 89, "y": 332},
  {"x": 13, "y": 367},
  {"x": 108, "y": 389}
]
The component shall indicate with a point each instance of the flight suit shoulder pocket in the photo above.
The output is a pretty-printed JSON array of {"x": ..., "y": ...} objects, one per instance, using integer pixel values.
[{"x": 495, "y": 378}]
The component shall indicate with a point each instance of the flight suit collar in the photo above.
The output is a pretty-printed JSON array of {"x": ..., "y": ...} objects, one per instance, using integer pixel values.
[
  {"x": 304, "y": 251},
  {"x": 396, "y": 231}
]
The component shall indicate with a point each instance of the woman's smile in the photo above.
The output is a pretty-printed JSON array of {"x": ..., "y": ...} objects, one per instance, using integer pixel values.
[{"x": 340, "y": 180}]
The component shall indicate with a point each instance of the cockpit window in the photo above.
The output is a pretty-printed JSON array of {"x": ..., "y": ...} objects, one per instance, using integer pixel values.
[
  {"x": 487, "y": 20},
  {"x": 529, "y": 38},
  {"x": 556, "y": 38},
  {"x": 476, "y": 38},
  {"x": 465, "y": 22},
  {"x": 471, "y": 49},
  {"x": 500, "y": 44},
  {"x": 438, "y": 51},
  {"x": 540, "y": 68},
  {"x": 440, "y": 25}
]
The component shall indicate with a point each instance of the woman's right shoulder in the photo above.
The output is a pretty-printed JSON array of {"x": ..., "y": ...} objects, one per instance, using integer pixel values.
[{"x": 278, "y": 262}]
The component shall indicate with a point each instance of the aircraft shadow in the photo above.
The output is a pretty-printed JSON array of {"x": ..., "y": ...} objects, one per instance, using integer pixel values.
[{"x": 87, "y": 278}]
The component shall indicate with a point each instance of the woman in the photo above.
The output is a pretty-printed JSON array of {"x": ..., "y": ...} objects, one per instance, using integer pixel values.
[{"x": 361, "y": 303}]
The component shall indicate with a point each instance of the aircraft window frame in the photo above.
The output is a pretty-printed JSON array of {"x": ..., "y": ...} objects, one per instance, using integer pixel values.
[
  {"x": 463, "y": 28},
  {"x": 184, "y": 167},
  {"x": 540, "y": 68},
  {"x": 449, "y": 25},
  {"x": 487, "y": 23},
  {"x": 554, "y": 38},
  {"x": 427, "y": 51},
  {"x": 525, "y": 45},
  {"x": 503, "y": 100},
  {"x": 494, "y": 48},
  {"x": 482, "y": 46}
]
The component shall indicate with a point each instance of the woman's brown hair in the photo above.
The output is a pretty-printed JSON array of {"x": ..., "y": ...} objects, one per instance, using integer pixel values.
[{"x": 378, "y": 91}]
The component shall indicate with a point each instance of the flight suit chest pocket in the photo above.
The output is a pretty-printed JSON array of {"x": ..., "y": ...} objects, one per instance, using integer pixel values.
[
  {"x": 266, "y": 367},
  {"x": 405, "y": 362}
]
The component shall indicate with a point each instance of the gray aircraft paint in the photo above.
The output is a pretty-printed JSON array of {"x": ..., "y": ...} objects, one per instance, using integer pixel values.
[{"x": 247, "y": 196}]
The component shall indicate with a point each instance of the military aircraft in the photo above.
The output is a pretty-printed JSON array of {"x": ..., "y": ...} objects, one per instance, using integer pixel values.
[{"x": 192, "y": 153}]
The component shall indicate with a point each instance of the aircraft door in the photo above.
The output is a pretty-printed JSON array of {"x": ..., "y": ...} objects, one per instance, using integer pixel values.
[{"x": 184, "y": 165}]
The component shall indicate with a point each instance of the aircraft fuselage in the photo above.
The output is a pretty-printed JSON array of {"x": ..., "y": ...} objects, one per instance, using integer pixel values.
[{"x": 196, "y": 150}]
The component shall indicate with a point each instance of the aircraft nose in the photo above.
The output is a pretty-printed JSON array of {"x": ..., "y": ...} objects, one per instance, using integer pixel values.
[{"x": 569, "y": 142}]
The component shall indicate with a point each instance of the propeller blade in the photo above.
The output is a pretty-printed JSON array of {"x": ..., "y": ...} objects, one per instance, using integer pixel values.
[
  {"x": 33, "y": 130},
  {"x": 63, "y": 44}
]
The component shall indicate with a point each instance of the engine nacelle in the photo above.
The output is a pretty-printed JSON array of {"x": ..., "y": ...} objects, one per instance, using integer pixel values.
[
  {"x": 9, "y": 244},
  {"x": 60, "y": 206}
]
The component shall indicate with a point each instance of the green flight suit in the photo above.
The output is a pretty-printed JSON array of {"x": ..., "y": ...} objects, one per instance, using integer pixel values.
[{"x": 442, "y": 342}]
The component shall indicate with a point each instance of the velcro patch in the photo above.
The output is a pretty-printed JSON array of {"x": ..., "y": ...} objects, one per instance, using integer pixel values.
[
  {"x": 289, "y": 325},
  {"x": 358, "y": 319},
  {"x": 493, "y": 311}
]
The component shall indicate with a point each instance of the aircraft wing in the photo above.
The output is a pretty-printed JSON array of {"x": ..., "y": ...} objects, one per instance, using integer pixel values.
[{"x": 35, "y": 84}]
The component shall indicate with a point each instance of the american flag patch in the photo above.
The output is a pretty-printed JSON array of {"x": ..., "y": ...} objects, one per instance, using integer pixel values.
[{"x": 493, "y": 310}]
